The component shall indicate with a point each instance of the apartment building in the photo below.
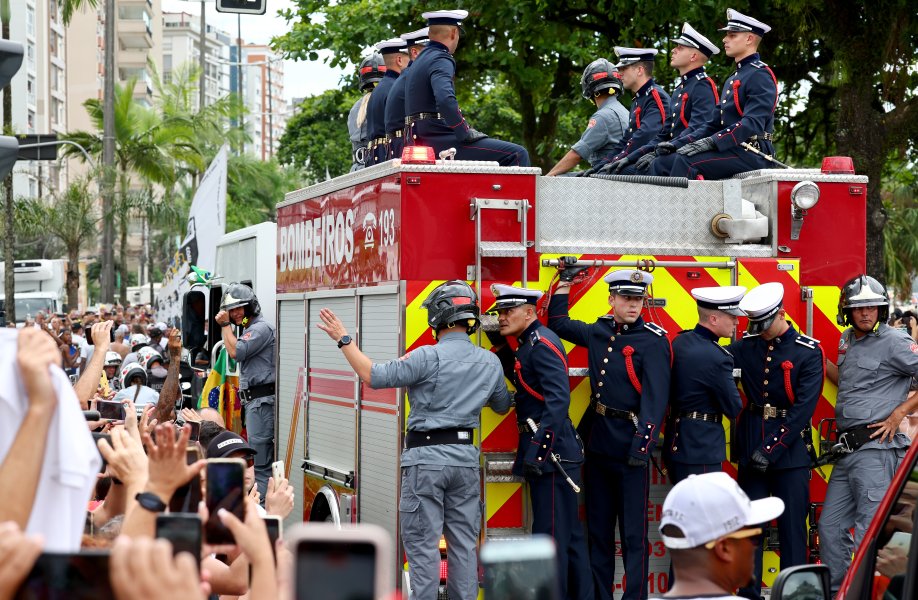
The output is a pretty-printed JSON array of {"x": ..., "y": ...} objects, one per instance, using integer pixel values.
[{"x": 181, "y": 46}]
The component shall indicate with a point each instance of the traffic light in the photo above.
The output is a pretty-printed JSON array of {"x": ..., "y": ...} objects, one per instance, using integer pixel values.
[
  {"x": 247, "y": 7},
  {"x": 10, "y": 61}
]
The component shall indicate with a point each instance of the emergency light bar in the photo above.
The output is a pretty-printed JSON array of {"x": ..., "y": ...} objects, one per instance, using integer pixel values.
[{"x": 419, "y": 155}]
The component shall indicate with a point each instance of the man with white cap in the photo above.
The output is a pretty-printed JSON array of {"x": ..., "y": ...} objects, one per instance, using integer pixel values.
[
  {"x": 876, "y": 364},
  {"x": 433, "y": 115},
  {"x": 543, "y": 399},
  {"x": 648, "y": 108},
  {"x": 395, "y": 54},
  {"x": 702, "y": 389},
  {"x": 782, "y": 376},
  {"x": 712, "y": 531},
  {"x": 693, "y": 104},
  {"x": 629, "y": 367},
  {"x": 747, "y": 110},
  {"x": 395, "y": 102}
]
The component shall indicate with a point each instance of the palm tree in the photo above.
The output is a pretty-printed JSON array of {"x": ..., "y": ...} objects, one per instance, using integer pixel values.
[{"x": 68, "y": 7}]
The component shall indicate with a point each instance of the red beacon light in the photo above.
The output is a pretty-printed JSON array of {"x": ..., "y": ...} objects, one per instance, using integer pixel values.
[
  {"x": 838, "y": 165},
  {"x": 418, "y": 155}
]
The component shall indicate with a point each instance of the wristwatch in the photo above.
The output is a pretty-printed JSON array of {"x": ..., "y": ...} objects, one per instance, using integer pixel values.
[
  {"x": 150, "y": 502},
  {"x": 227, "y": 324},
  {"x": 344, "y": 341}
]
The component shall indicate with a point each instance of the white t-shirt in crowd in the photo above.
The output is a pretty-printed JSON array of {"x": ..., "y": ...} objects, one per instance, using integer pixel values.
[{"x": 71, "y": 461}]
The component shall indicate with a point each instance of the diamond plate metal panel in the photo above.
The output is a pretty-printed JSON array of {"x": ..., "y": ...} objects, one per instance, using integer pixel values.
[
  {"x": 503, "y": 249},
  {"x": 585, "y": 215}
]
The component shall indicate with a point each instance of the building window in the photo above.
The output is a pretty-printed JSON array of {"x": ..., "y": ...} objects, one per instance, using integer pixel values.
[
  {"x": 30, "y": 123},
  {"x": 30, "y": 90},
  {"x": 30, "y": 21},
  {"x": 30, "y": 51}
]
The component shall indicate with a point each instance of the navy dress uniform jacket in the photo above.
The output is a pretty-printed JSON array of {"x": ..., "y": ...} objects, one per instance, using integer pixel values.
[
  {"x": 747, "y": 108},
  {"x": 786, "y": 373},
  {"x": 611, "y": 347},
  {"x": 395, "y": 114},
  {"x": 543, "y": 395},
  {"x": 429, "y": 89},
  {"x": 646, "y": 119},
  {"x": 702, "y": 382},
  {"x": 376, "y": 113}
]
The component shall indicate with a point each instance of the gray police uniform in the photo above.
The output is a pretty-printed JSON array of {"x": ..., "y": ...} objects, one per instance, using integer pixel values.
[
  {"x": 604, "y": 132},
  {"x": 255, "y": 353},
  {"x": 448, "y": 385},
  {"x": 874, "y": 374},
  {"x": 360, "y": 134}
]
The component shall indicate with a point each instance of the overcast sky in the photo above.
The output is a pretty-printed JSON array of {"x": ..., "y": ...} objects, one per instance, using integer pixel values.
[{"x": 301, "y": 78}]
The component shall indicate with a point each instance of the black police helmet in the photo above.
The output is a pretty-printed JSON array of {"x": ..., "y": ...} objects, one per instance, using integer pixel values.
[
  {"x": 600, "y": 75},
  {"x": 371, "y": 70},
  {"x": 238, "y": 294},
  {"x": 863, "y": 290},
  {"x": 451, "y": 302}
]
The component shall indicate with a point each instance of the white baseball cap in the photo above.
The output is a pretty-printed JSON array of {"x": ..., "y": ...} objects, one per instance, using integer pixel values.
[{"x": 710, "y": 506}]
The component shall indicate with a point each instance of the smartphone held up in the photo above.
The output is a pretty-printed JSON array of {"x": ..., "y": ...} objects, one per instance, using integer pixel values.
[{"x": 226, "y": 490}]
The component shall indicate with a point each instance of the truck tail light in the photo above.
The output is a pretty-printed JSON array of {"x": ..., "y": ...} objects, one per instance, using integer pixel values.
[
  {"x": 838, "y": 165},
  {"x": 419, "y": 155}
]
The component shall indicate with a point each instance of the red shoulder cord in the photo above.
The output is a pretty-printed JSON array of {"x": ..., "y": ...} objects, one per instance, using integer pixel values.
[
  {"x": 659, "y": 101},
  {"x": 637, "y": 117},
  {"x": 682, "y": 111},
  {"x": 627, "y": 351},
  {"x": 519, "y": 375},
  {"x": 788, "y": 389},
  {"x": 714, "y": 89},
  {"x": 736, "y": 84}
]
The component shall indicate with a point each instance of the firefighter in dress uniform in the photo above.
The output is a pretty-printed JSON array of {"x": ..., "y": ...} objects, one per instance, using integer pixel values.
[
  {"x": 395, "y": 102},
  {"x": 876, "y": 364},
  {"x": 448, "y": 384},
  {"x": 702, "y": 388},
  {"x": 543, "y": 397},
  {"x": 648, "y": 108},
  {"x": 747, "y": 110},
  {"x": 395, "y": 54},
  {"x": 694, "y": 104},
  {"x": 782, "y": 372},
  {"x": 371, "y": 71},
  {"x": 629, "y": 365},
  {"x": 433, "y": 115},
  {"x": 601, "y": 84},
  {"x": 254, "y": 350}
]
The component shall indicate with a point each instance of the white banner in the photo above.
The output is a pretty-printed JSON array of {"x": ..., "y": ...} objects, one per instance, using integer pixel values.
[{"x": 206, "y": 225}]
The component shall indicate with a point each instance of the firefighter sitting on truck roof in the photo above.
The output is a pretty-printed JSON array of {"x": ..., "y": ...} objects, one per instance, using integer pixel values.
[
  {"x": 601, "y": 84},
  {"x": 549, "y": 451},
  {"x": 629, "y": 366},
  {"x": 371, "y": 72},
  {"x": 746, "y": 124},
  {"x": 876, "y": 364},
  {"x": 694, "y": 105},
  {"x": 448, "y": 384},
  {"x": 782, "y": 375},
  {"x": 254, "y": 350},
  {"x": 648, "y": 109},
  {"x": 395, "y": 53},
  {"x": 434, "y": 118},
  {"x": 395, "y": 101}
]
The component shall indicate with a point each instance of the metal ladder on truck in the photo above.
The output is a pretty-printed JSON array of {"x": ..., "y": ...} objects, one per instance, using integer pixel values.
[{"x": 496, "y": 466}]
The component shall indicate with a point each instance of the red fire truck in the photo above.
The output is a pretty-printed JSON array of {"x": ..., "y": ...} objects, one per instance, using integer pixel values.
[{"x": 372, "y": 244}]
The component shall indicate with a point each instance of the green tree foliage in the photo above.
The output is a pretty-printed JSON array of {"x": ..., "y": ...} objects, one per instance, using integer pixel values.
[{"x": 316, "y": 139}]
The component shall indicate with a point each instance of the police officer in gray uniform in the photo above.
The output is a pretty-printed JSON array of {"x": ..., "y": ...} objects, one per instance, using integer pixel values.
[
  {"x": 875, "y": 366},
  {"x": 448, "y": 385},
  {"x": 601, "y": 84},
  {"x": 371, "y": 71},
  {"x": 254, "y": 350}
]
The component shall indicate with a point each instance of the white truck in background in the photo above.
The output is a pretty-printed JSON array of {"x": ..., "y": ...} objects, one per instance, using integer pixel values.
[
  {"x": 249, "y": 256},
  {"x": 39, "y": 284}
]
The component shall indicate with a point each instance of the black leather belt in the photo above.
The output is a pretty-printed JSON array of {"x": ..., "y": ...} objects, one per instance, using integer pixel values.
[
  {"x": 850, "y": 440},
  {"x": 380, "y": 141},
  {"x": 257, "y": 391},
  {"x": 422, "y": 116},
  {"x": 768, "y": 411},
  {"x": 614, "y": 413},
  {"x": 437, "y": 437},
  {"x": 394, "y": 134},
  {"x": 700, "y": 416}
]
